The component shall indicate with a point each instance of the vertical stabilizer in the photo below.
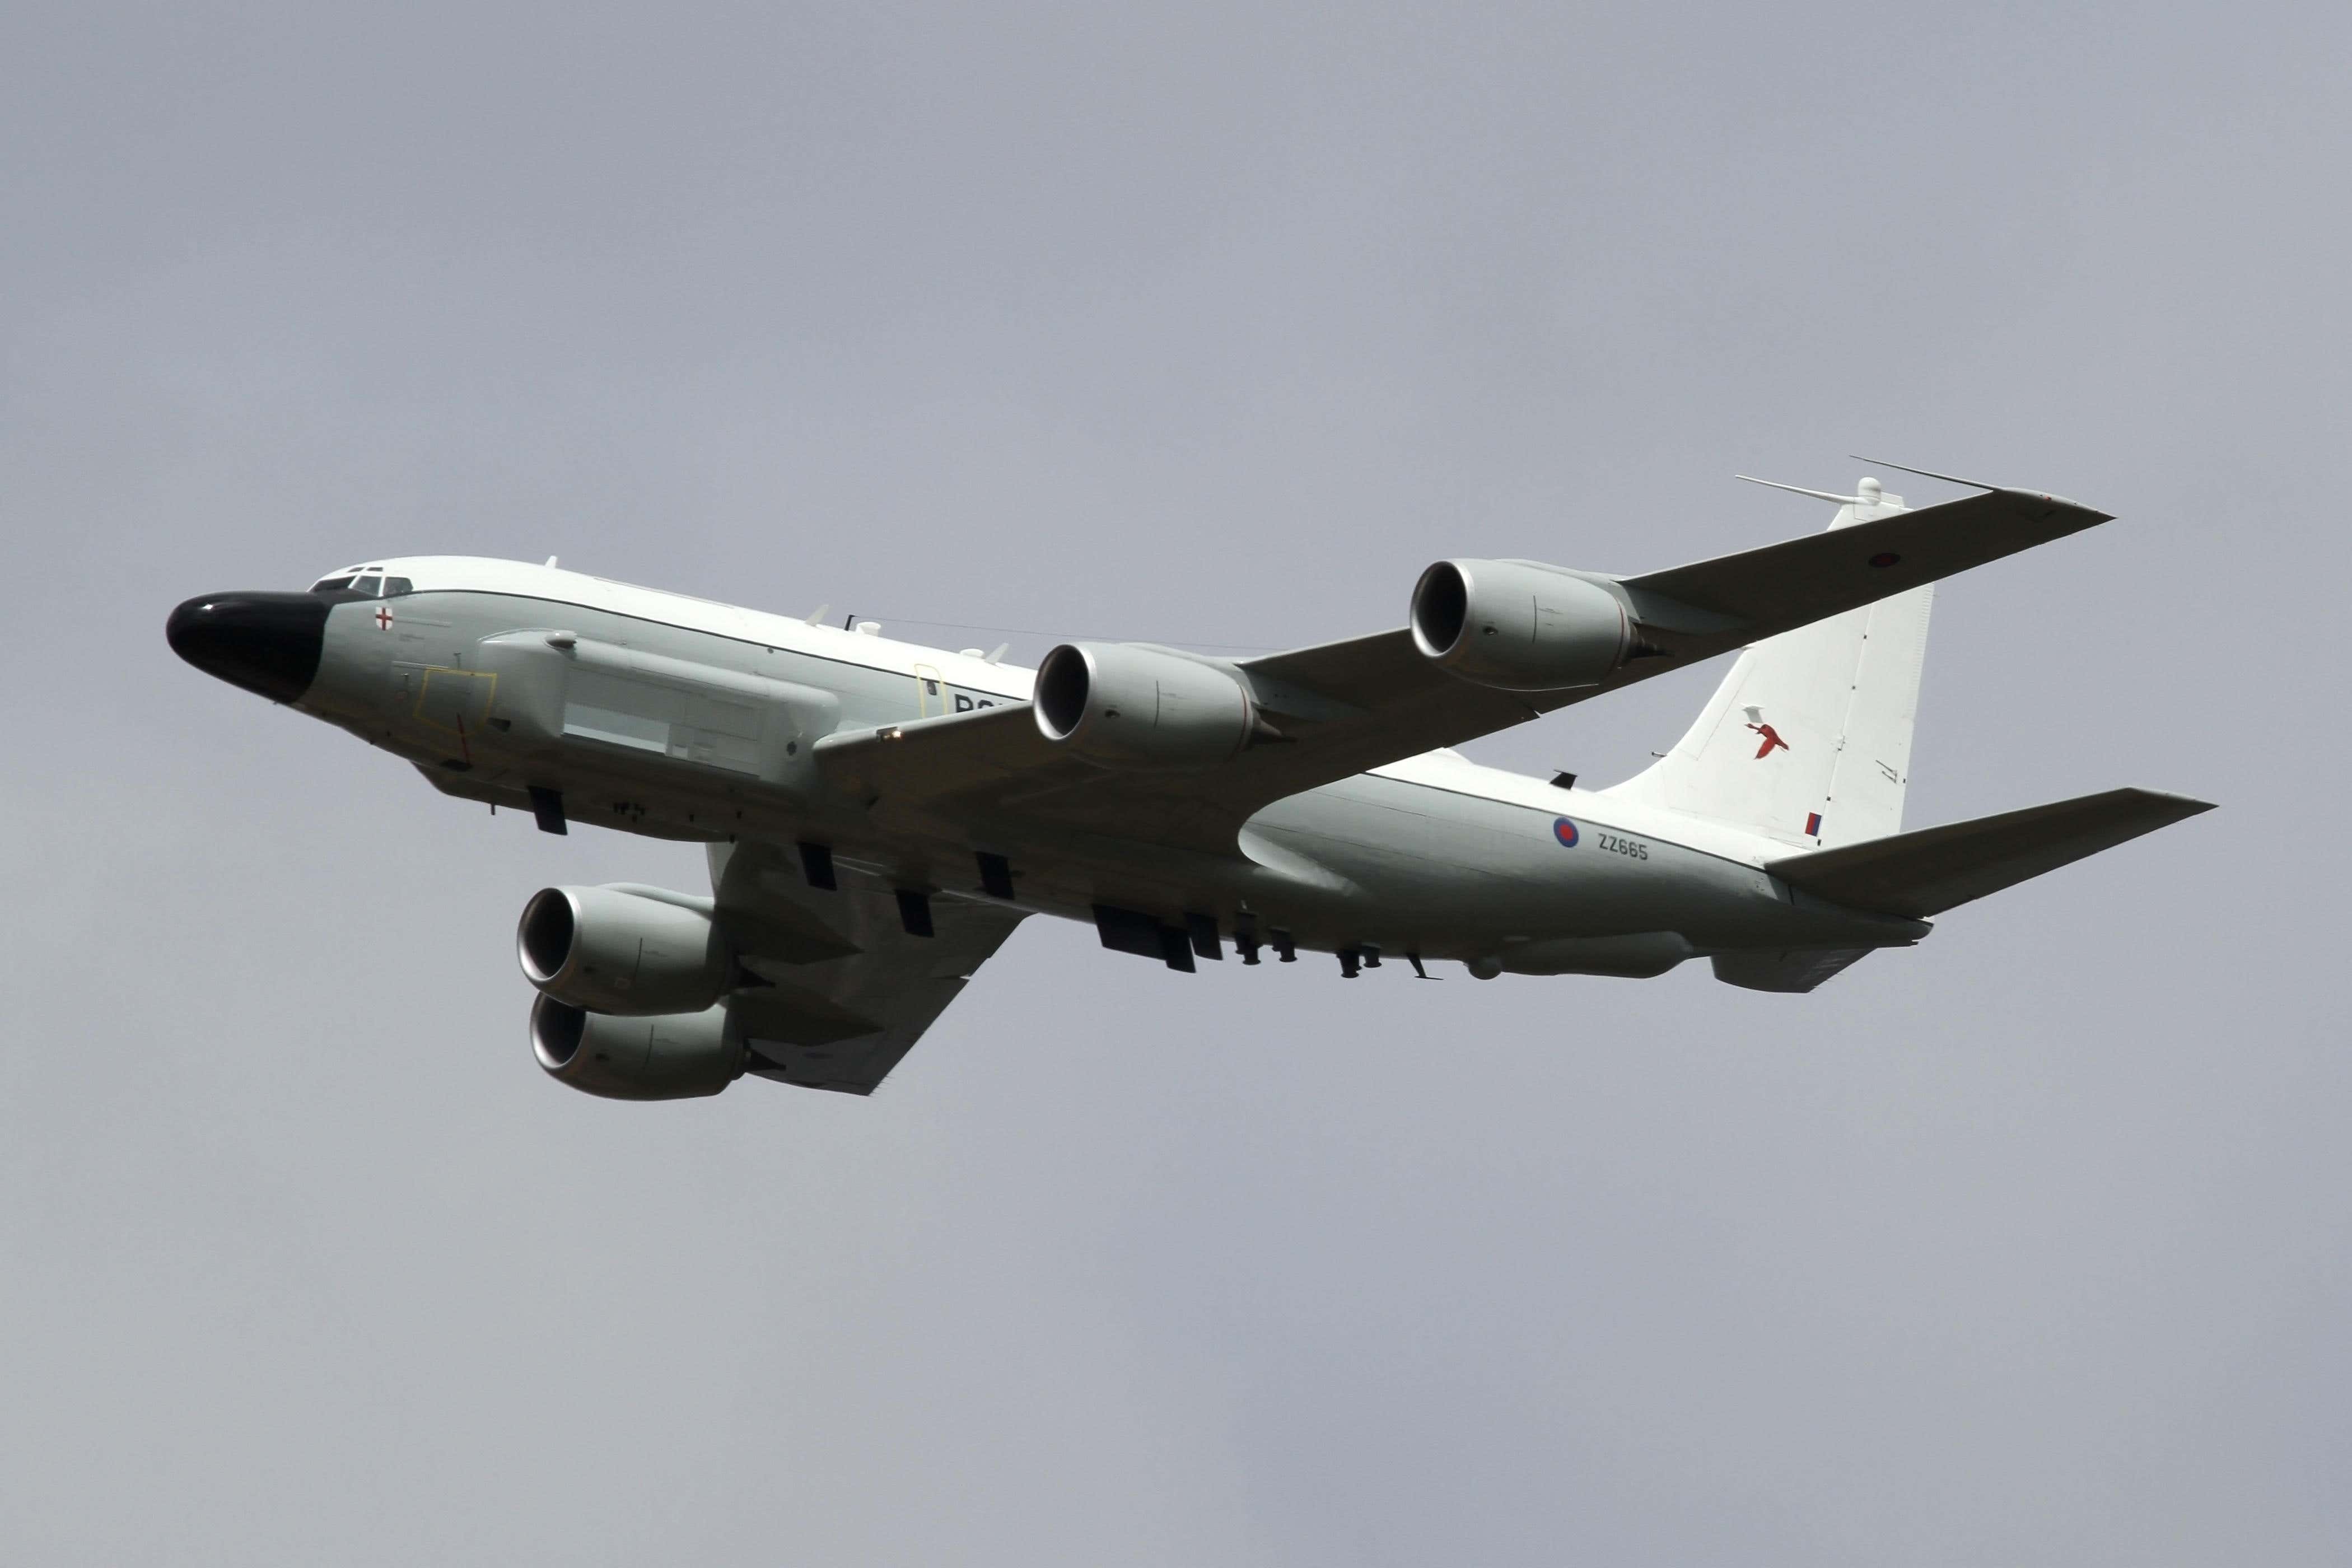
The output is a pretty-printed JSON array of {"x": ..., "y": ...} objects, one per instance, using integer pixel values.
[{"x": 1808, "y": 740}]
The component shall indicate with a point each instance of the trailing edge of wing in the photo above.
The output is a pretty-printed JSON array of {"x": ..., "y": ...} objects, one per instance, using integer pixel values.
[{"x": 1925, "y": 873}]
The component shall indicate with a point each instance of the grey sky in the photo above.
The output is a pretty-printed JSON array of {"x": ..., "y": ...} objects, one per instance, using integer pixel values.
[{"x": 1191, "y": 322}]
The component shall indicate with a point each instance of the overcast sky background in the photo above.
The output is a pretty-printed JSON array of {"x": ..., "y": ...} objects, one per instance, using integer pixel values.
[{"x": 1212, "y": 323}]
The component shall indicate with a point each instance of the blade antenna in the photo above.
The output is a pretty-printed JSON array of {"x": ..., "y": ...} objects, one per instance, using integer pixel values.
[
  {"x": 1800, "y": 490},
  {"x": 1927, "y": 473}
]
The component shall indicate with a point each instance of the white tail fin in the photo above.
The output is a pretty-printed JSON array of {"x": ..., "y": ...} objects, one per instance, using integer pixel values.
[{"x": 1808, "y": 740}]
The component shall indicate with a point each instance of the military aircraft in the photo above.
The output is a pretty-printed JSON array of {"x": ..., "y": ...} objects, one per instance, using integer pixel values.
[{"x": 880, "y": 815}]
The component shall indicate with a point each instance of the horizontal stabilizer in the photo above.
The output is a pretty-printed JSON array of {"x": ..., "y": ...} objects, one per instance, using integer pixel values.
[
  {"x": 1937, "y": 868},
  {"x": 1796, "y": 971}
]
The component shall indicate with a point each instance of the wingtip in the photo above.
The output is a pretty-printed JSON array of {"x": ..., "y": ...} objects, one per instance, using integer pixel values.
[
  {"x": 2180, "y": 806},
  {"x": 2094, "y": 513}
]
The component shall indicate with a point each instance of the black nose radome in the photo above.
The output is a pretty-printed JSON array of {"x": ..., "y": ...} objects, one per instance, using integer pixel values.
[{"x": 267, "y": 643}]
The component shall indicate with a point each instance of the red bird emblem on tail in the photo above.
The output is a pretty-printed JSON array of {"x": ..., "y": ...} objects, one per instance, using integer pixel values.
[{"x": 1771, "y": 740}]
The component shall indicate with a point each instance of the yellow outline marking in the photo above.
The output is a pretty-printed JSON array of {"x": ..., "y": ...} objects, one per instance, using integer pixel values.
[{"x": 425, "y": 686}]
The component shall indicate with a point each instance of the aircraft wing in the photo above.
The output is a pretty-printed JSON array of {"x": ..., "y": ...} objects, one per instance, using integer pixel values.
[
  {"x": 1345, "y": 707},
  {"x": 849, "y": 991}
]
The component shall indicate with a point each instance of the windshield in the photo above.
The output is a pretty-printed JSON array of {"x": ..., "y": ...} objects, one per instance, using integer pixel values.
[{"x": 367, "y": 585}]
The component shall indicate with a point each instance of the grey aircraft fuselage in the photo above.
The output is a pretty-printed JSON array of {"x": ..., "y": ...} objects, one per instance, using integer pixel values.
[{"x": 1498, "y": 871}]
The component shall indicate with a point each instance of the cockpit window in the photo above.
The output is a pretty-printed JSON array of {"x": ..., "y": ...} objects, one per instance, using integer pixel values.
[{"x": 367, "y": 582}]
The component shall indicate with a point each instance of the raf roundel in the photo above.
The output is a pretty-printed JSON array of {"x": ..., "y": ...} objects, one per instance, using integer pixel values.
[{"x": 1565, "y": 831}]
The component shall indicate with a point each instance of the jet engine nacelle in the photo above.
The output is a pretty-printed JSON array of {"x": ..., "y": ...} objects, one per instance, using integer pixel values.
[
  {"x": 1518, "y": 625},
  {"x": 610, "y": 949},
  {"x": 670, "y": 1056},
  {"x": 1124, "y": 705}
]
